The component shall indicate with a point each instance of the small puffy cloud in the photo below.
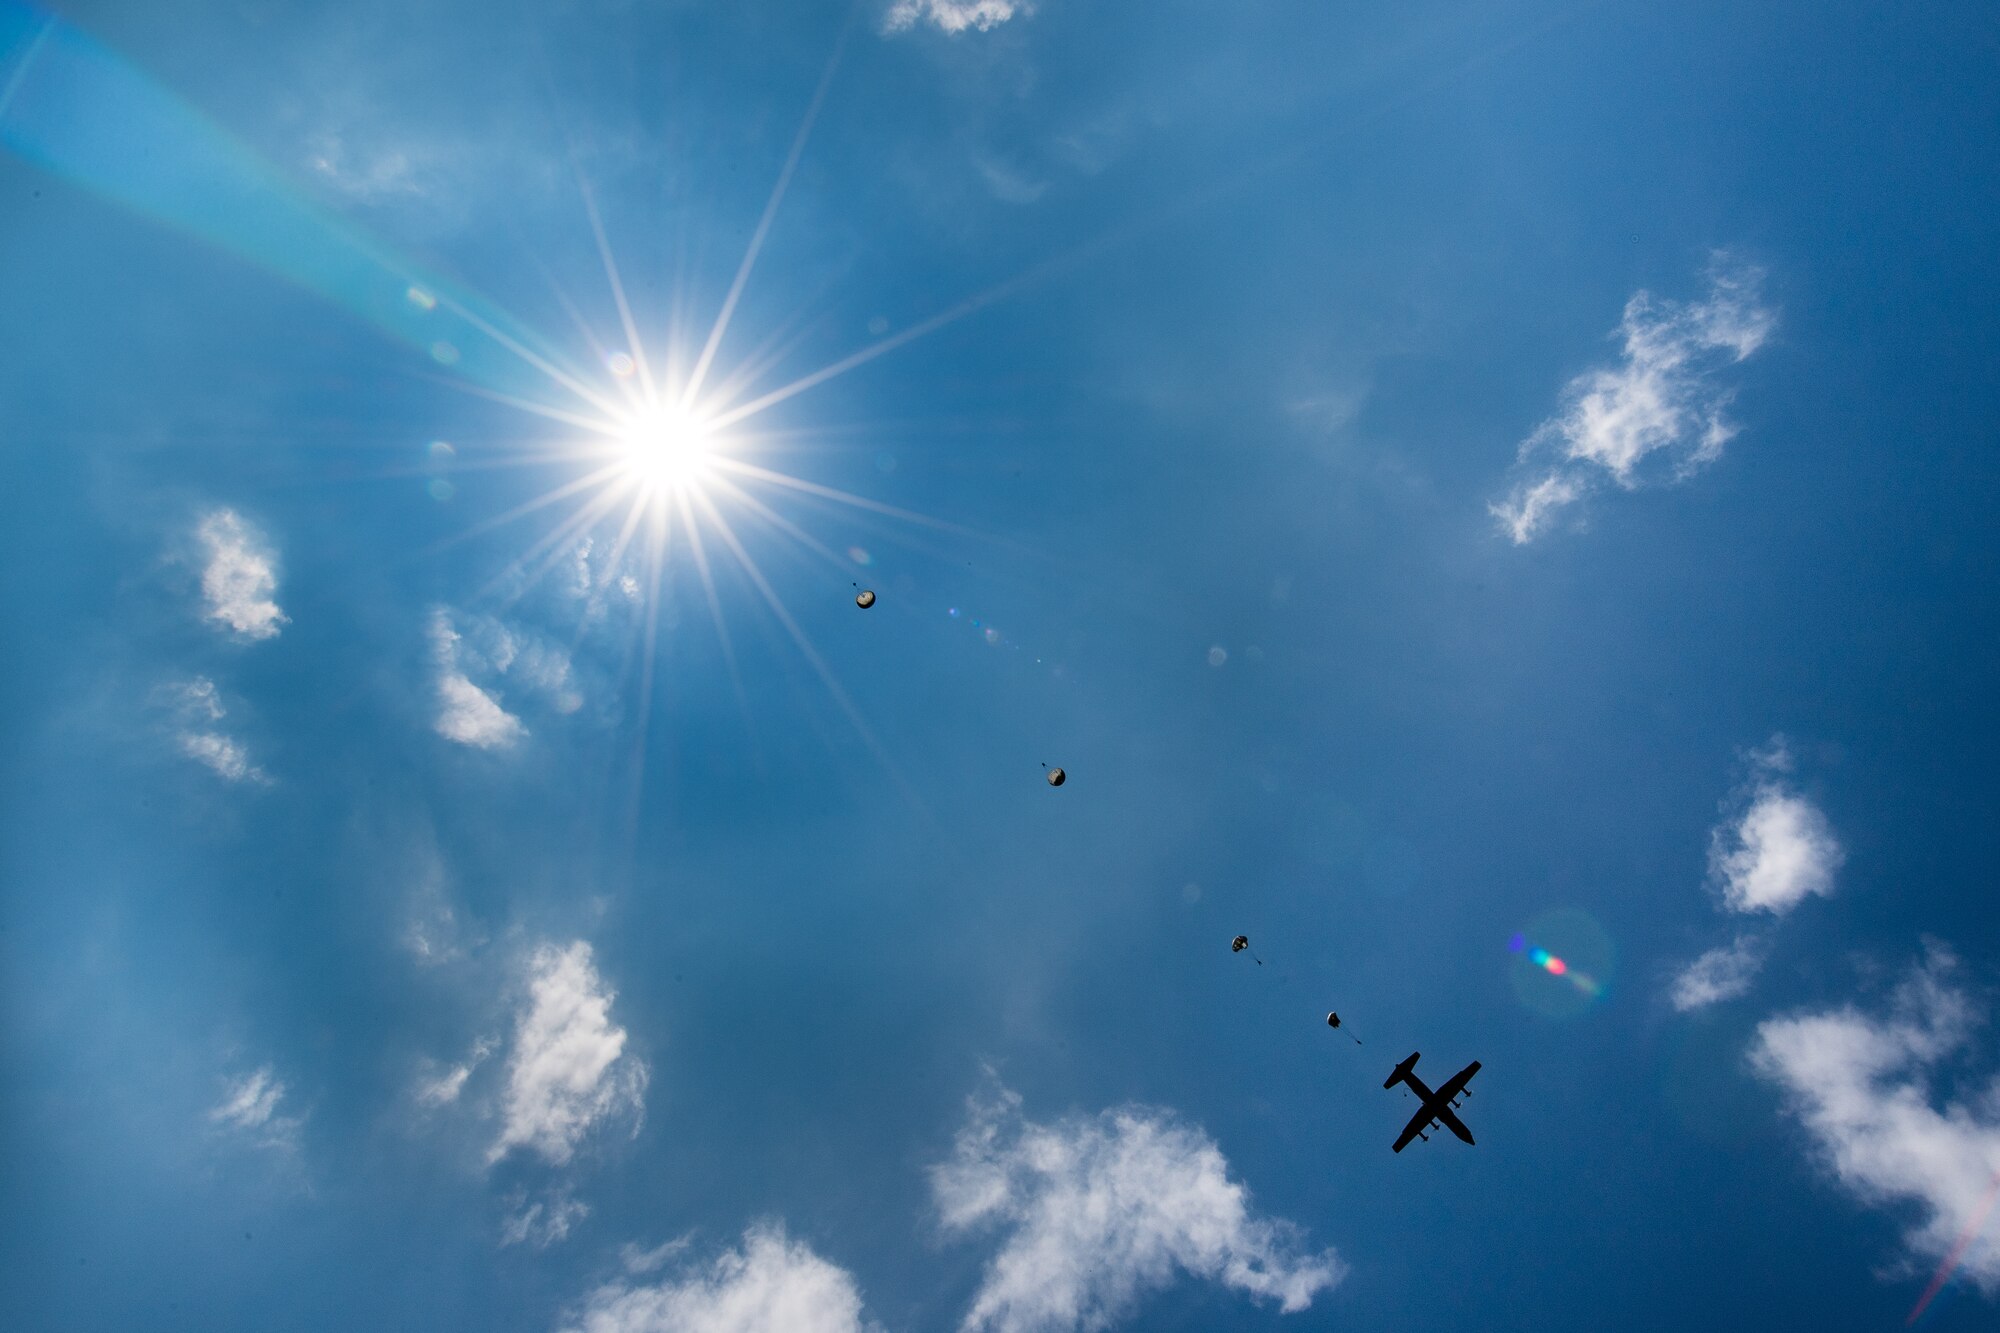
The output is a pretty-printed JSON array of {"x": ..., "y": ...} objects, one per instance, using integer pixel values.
[
  {"x": 1861, "y": 1087},
  {"x": 1097, "y": 1212},
  {"x": 953, "y": 16},
  {"x": 1779, "y": 849},
  {"x": 1662, "y": 397},
  {"x": 1720, "y": 974},
  {"x": 250, "y": 1108},
  {"x": 239, "y": 576},
  {"x": 466, "y": 713},
  {"x": 770, "y": 1285},
  {"x": 542, "y": 1223},
  {"x": 566, "y": 1071}
]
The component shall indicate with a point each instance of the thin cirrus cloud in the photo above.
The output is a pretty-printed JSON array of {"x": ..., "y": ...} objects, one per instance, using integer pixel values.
[
  {"x": 545, "y": 1222},
  {"x": 1862, "y": 1088},
  {"x": 769, "y": 1284},
  {"x": 250, "y": 1109},
  {"x": 953, "y": 16},
  {"x": 567, "y": 1070},
  {"x": 1663, "y": 397},
  {"x": 1097, "y": 1212},
  {"x": 239, "y": 578}
]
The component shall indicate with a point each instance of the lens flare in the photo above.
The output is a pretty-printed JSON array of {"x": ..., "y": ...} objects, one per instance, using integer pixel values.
[{"x": 1562, "y": 963}]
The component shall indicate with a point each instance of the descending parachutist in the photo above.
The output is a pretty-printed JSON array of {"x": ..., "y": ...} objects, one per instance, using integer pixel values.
[
  {"x": 1056, "y": 776},
  {"x": 1333, "y": 1021},
  {"x": 1239, "y": 944},
  {"x": 866, "y": 598}
]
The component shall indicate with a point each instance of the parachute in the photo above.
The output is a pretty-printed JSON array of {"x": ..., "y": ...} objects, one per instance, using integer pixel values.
[
  {"x": 1057, "y": 777},
  {"x": 1239, "y": 944},
  {"x": 866, "y": 598},
  {"x": 1333, "y": 1021}
]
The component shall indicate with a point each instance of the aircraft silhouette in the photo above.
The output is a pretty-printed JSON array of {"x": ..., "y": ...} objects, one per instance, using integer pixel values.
[{"x": 1436, "y": 1108}]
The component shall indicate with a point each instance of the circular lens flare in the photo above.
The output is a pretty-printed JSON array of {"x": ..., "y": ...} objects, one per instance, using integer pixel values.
[{"x": 664, "y": 448}]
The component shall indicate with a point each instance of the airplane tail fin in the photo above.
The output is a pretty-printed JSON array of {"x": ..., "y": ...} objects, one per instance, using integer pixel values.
[{"x": 1402, "y": 1070}]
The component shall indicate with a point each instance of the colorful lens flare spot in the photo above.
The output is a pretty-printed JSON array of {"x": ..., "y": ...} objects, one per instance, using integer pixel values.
[
  {"x": 1562, "y": 962},
  {"x": 621, "y": 365},
  {"x": 859, "y": 555},
  {"x": 421, "y": 299}
]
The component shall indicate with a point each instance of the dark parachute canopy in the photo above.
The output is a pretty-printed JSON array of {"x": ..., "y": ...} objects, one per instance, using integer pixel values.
[
  {"x": 1239, "y": 944},
  {"x": 1333, "y": 1021}
]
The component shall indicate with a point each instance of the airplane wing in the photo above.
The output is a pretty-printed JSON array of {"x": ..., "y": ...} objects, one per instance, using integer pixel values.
[
  {"x": 1456, "y": 1083},
  {"x": 1411, "y": 1130},
  {"x": 1452, "y": 1122}
]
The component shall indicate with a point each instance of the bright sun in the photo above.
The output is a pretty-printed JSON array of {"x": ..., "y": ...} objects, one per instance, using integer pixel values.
[{"x": 664, "y": 448}]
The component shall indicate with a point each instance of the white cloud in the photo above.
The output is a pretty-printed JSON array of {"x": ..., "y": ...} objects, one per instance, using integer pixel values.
[
  {"x": 226, "y": 757},
  {"x": 249, "y": 1107},
  {"x": 953, "y": 16},
  {"x": 240, "y": 576},
  {"x": 1099, "y": 1211},
  {"x": 567, "y": 1071},
  {"x": 440, "y": 1085},
  {"x": 544, "y": 1222},
  {"x": 1720, "y": 974},
  {"x": 466, "y": 713},
  {"x": 197, "y": 707},
  {"x": 369, "y": 179},
  {"x": 1861, "y": 1087},
  {"x": 1779, "y": 850},
  {"x": 1661, "y": 397},
  {"x": 770, "y": 1285}
]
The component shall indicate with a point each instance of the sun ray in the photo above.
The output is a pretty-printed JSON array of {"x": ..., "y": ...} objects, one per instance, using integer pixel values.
[
  {"x": 691, "y": 391},
  {"x": 638, "y": 350}
]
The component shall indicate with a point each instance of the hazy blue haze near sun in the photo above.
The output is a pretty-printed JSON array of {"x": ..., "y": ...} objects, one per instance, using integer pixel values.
[{"x": 1295, "y": 283}]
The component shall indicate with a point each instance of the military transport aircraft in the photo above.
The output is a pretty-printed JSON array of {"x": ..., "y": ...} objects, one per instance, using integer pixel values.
[{"x": 1436, "y": 1107}]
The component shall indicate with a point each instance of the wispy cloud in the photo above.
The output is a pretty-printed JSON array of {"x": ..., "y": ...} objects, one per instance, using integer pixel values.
[
  {"x": 466, "y": 713},
  {"x": 250, "y": 1108},
  {"x": 1861, "y": 1087},
  {"x": 1662, "y": 397},
  {"x": 239, "y": 577},
  {"x": 440, "y": 1085},
  {"x": 197, "y": 707},
  {"x": 1720, "y": 974},
  {"x": 544, "y": 1222},
  {"x": 566, "y": 1071},
  {"x": 1099, "y": 1211},
  {"x": 953, "y": 16},
  {"x": 770, "y": 1285},
  {"x": 1780, "y": 849}
]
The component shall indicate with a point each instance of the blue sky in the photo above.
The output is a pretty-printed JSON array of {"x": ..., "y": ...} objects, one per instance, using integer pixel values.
[{"x": 1433, "y": 475}]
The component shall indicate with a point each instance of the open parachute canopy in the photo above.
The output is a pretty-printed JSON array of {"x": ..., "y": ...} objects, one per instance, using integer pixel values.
[{"x": 1239, "y": 944}]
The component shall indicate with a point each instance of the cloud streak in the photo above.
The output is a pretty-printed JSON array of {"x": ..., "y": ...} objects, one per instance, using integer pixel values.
[
  {"x": 1661, "y": 398},
  {"x": 1861, "y": 1087},
  {"x": 1097, "y": 1212},
  {"x": 239, "y": 578}
]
